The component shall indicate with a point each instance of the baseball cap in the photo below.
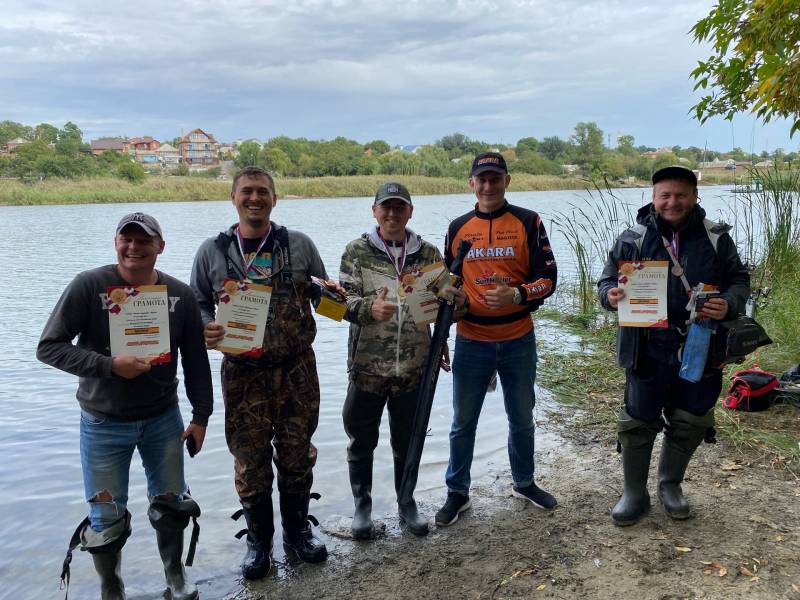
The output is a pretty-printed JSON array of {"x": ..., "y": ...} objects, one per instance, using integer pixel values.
[
  {"x": 489, "y": 161},
  {"x": 392, "y": 191},
  {"x": 146, "y": 222},
  {"x": 675, "y": 173}
]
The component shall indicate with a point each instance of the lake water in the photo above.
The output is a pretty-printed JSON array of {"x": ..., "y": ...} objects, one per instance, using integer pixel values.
[{"x": 41, "y": 493}]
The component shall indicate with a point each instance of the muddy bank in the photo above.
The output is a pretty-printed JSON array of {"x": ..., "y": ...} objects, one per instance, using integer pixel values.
[{"x": 743, "y": 542}]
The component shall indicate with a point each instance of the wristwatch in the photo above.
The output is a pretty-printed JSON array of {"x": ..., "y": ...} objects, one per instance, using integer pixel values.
[{"x": 517, "y": 296}]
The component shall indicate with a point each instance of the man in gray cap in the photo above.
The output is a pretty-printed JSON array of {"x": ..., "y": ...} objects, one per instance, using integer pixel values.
[
  {"x": 129, "y": 401},
  {"x": 387, "y": 349},
  {"x": 673, "y": 229}
]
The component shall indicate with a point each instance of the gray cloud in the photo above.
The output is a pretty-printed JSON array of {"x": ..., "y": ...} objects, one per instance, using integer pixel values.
[{"x": 408, "y": 72}]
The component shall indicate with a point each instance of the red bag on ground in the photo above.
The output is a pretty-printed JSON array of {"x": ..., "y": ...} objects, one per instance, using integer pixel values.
[{"x": 751, "y": 390}]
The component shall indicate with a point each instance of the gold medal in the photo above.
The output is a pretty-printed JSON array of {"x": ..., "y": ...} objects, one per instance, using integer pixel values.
[
  {"x": 401, "y": 291},
  {"x": 677, "y": 270}
]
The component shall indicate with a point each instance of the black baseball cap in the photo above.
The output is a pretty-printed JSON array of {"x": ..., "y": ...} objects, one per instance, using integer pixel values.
[
  {"x": 489, "y": 161},
  {"x": 392, "y": 191},
  {"x": 148, "y": 224},
  {"x": 675, "y": 173}
]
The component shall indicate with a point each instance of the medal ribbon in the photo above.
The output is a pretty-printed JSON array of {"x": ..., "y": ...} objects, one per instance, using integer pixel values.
[
  {"x": 401, "y": 260},
  {"x": 240, "y": 240},
  {"x": 676, "y": 268}
]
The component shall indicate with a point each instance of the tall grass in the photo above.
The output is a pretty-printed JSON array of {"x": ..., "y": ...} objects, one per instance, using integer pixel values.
[
  {"x": 159, "y": 188},
  {"x": 590, "y": 229},
  {"x": 767, "y": 222}
]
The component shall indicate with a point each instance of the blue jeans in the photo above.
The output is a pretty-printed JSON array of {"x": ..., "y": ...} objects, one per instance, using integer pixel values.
[
  {"x": 107, "y": 447},
  {"x": 473, "y": 365}
]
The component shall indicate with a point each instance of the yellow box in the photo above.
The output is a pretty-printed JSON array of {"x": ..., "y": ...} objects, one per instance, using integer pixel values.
[{"x": 331, "y": 309}]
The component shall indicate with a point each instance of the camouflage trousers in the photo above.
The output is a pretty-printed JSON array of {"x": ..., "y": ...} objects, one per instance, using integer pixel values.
[{"x": 266, "y": 406}]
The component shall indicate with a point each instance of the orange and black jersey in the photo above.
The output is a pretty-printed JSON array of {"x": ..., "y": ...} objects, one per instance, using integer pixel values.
[{"x": 509, "y": 245}]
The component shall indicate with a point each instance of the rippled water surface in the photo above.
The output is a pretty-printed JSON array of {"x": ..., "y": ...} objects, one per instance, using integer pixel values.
[{"x": 41, "y": 493}]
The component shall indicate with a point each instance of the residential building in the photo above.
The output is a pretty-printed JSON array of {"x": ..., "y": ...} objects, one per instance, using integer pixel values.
[
  {"x": 199, "y": 149},
  {"x": 105, "y": 144},
  {"x": 168, "y": 155},
  {"x": 11, "y": 145},
  {"x": 142, "y": 143}
]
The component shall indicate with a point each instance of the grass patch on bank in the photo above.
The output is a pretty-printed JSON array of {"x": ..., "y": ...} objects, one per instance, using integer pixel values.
[
  {"x": 586, "y": 376},
  {"x": 176, "y": 189}
]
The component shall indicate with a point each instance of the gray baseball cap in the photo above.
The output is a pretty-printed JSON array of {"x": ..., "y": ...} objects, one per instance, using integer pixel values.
[{"x": 148, "y": 224}]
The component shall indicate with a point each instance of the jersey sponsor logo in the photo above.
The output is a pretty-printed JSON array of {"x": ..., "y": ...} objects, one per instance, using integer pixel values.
[
  {"x": 538, "y": 288},
  {"x": 491, "y": 252},
  {"x": 490, "y": 278}
]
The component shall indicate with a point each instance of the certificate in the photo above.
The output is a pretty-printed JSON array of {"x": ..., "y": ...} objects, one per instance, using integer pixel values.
[
  {"x": 423, "y": 305},
  {"x": 242, "y": 310},
  {"x": 138, "y": 321},
  {"x": 645, "y": 301}
]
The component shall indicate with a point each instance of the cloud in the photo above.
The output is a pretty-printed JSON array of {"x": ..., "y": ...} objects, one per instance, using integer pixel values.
[{"x": 410, "y": 72}]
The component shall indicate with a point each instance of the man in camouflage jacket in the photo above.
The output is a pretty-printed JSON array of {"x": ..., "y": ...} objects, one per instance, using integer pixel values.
[{"x": 386, "y": 349}]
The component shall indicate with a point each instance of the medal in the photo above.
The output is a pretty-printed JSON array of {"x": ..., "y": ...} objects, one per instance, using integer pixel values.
[
  {"x": 677, "y": 270},
  {"x": 401, "y": 291}
]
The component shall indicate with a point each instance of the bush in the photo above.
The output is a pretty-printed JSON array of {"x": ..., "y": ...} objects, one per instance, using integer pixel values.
[{"x": 131, "y": 171}]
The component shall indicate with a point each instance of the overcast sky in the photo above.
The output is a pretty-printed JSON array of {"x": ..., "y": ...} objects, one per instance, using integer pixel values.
[{"x": 406, "y": 72}]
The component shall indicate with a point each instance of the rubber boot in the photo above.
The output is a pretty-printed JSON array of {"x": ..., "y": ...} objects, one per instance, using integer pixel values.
[
  {"x": 408, "y": 512},
  {"x": 682, "y": 436},
  {"x": 170, "y": 547},
  {"x": 361, "y": 484},
  {"x": 297, "y": 535},
  {"x": 108, "y": 567},
  {"x": 260, "y": 529},
  {"x": 636, "y": 439}
]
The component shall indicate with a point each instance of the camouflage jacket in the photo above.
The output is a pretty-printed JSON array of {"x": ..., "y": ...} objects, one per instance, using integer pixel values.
[{"x": 383, "y": 350}]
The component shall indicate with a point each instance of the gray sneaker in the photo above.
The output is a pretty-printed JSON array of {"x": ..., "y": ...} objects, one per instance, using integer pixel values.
[{"x": 454, "y": 505}]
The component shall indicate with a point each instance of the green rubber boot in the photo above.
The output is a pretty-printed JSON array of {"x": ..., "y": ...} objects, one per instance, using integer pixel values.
[{"x": 683, "y": 434}]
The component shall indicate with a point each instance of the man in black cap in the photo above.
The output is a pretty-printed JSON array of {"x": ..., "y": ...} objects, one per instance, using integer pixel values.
[
  {"x": 130, "y": 401},
  {"x": 508, "y": 273},
  {"x": 387, "y": 349},
  {"x": 671, "y": 228}
]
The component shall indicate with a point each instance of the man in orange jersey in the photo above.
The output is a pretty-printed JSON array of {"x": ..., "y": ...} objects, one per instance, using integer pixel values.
[{"x": 508, "y": 273}]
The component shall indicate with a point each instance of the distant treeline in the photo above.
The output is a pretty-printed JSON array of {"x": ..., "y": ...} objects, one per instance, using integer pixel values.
[{"x": 62, "y": 153}]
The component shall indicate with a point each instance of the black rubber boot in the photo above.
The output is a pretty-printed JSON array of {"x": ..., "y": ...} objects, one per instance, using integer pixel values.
[
  {"x": 408, "y": 512},
  {"x": 108, "y": 566},
  {"x": 260, "y": 528},
  {"x": 361, "y": 484},
  {"x": 297, "y": 535},
  {"x": 683, "y": 434},
  {"x": 636, "y": 439},
  {"x": 170, "y": 547}
]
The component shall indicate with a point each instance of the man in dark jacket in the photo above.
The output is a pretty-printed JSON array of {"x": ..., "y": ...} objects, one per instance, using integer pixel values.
[
  {"x": 129, "y": 401},
  {"x": 674, "y": 224}
]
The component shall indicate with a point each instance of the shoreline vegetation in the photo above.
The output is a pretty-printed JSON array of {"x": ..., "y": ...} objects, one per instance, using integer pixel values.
[{"x": 110, "y": 190}]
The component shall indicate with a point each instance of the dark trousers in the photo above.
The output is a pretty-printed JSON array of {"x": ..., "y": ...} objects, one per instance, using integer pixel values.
[
  {"x": 362, "y": 419},
  {"x": 654, "y": 386}
]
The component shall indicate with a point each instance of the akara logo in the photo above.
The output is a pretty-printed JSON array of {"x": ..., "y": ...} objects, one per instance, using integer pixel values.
[{"x": 491, "y": 252}]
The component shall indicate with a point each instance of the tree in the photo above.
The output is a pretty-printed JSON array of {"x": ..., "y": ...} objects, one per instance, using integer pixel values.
[
  {"x": 553, "y": 147},
  {"x": 10, "y": 130},
  {"x": 528, "y": 144},
  {"x": 378, "y": 147},
  {"x": 755, "y": 63},
  {"x": 69, "y": 139},
  {"x": 588, "y": 137},
  {"x": 275, "y": 160},
  {"x": 249, "y": 155},
  {"x": 625, "y": 145},
  {"x": 46, "y": 132}
]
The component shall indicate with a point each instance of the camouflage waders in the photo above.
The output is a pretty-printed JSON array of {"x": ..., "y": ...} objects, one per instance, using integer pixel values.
[{"x": 263, "y": 403}]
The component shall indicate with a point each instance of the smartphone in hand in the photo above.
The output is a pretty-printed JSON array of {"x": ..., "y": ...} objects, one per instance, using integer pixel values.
[{"x": 191, "y": 447}]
